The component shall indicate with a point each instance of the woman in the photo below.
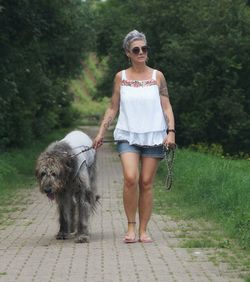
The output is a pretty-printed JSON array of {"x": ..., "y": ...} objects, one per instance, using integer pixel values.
[{"x": 145, "y": 125}]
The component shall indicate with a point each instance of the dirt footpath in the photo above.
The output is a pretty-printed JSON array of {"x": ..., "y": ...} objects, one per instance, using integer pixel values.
[{"x": 30, "y": 252}]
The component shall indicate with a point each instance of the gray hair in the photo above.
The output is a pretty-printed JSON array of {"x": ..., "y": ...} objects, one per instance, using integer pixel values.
[{"x": 131, "y": 37}]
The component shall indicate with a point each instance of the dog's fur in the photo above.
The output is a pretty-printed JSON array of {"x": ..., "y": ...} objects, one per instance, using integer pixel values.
[{"x": 72, "y": 186}]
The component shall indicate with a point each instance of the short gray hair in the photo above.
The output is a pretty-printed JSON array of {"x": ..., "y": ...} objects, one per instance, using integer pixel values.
[{"x": 131, "y": 37}]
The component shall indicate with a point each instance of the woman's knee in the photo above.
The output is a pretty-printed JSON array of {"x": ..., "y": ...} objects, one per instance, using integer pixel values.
[
  {"x": 130, "y": 181},
  {"x": 146, "y": 184}
]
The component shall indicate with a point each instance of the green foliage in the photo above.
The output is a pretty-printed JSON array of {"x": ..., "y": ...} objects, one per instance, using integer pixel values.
[
  {"x": 96, "y": 67},
  {"x": 83, "y": 90},
  {"x": 41, "y": 47},
  {"x": 83, "y": 103},
  {"x": 202, "y": 47},
  {"x": 213, "y": 188},
  {"x": 214, "y": 149}
]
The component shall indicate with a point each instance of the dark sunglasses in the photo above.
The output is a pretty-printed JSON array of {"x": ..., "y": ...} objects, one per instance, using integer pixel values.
[{"x": 136, "y": 50}]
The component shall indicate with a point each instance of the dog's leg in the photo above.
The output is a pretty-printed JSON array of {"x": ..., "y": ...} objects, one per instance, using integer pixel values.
[
  {"x": 64, "y": 206},
  {"x": 73, "y": 215},
  {"x": 83, "y": 207},
  {"x": 61, "y": 235},
  {"x": 92, "y": 174},
  {"x": 82, "y": 235}
]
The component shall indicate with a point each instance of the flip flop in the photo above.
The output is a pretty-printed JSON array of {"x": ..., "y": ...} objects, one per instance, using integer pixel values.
[
  {"x": 128, "y": 240},
  {"x": 145, "y": 240}
]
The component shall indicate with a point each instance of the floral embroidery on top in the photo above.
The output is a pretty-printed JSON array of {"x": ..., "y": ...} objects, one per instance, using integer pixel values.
[{"x": 138, "y": 83}]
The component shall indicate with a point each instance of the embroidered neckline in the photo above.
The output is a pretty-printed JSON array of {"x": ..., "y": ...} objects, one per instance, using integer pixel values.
[{"x": 138, "y": 83}]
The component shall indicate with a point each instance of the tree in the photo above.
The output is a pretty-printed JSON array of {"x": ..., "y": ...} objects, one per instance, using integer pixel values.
[{"x": 42, "y": 43}]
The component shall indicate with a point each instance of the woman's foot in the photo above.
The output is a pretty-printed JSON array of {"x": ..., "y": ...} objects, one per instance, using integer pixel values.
[
  {"x": 130, "y": 237},
  {"x": 144, "y": 238}
]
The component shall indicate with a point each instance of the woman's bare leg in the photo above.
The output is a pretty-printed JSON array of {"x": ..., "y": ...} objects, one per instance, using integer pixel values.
[
  {"x": 148, "y": 170},
  {"x": 130, "y": 162}
]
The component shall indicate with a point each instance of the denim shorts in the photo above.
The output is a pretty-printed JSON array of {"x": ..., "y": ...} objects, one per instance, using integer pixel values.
[{"x": 144, "y": 151}]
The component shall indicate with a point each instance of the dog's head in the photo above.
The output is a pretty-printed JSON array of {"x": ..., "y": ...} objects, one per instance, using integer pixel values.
[{"x": 52, "y": 173}]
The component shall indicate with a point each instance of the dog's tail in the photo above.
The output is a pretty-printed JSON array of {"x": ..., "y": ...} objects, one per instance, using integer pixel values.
[
  {"x": 97, "y": 202},
  {"x": 93, "y": 200}
]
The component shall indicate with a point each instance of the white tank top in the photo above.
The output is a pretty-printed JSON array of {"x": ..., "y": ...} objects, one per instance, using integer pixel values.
[{"x": 141, "y": 120}]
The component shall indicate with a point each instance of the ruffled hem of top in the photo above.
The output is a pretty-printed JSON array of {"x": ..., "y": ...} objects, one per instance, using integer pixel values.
[{"x": 141, "y": 139}]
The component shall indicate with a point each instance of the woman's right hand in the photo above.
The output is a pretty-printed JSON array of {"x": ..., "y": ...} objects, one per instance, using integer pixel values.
[{"x": 98, "y": 141}]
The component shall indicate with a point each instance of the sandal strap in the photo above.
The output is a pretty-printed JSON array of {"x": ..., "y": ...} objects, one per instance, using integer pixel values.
[{"x": 131, "y": 222}]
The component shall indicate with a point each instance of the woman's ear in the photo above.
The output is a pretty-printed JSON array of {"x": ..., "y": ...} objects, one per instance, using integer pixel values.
[{"x": 127, "y": 53}]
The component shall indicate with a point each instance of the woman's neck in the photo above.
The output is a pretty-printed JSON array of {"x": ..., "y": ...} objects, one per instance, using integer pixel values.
[{"x": 139, "y": 68}]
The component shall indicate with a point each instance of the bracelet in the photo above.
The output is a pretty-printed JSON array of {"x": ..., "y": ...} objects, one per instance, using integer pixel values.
[{"x": 171, "y": 130}]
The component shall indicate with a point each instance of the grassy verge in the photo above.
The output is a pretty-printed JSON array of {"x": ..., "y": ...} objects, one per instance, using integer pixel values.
[
  {"x": 213, "y": 191},
  {"x": 84, "y": 89}
]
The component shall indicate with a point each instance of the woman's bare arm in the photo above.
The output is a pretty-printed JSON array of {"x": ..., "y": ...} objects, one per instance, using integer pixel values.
[
  {"x": 167, "y": 108},
  {"x": 110, "y": 112}
]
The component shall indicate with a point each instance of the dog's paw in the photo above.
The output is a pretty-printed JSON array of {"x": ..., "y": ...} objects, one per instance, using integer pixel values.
[
  {"x": 62, "y": 236},
  {"x": 82, "y": 238}
]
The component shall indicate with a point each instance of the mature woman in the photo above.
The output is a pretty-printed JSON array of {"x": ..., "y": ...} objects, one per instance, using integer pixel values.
[{"x": 145, "y": 124}]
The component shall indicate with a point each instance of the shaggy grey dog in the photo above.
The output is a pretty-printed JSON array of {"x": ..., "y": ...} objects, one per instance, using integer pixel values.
[{"x": 66, "y": 172}]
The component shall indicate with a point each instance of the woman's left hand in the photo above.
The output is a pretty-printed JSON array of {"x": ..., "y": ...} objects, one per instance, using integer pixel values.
[{"x": 169, "y": 140}]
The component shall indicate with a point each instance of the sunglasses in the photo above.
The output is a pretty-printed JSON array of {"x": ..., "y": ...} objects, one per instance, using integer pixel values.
[{"x": 136, "y": 50}]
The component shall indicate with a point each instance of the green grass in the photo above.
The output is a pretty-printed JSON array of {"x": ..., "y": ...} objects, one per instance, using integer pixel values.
[
  {"x": 84, "y": 89},
  {"x": 211, "y": 195},
  {"x": 92, "y": 63},
  {"x": 90, "y": 85},
  {"x": 210, "y": 187},
  {"x": 84, "y": 103}
]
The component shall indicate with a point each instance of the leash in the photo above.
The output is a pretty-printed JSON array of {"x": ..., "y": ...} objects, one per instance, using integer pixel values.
[
  {"x": 82, "y": 151},
  {"x": 169, "y": 156},
  {"x": 87, "y": 148}
]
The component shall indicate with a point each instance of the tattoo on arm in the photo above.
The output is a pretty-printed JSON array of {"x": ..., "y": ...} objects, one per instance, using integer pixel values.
[
  {"x": 112, "y": 110},
  {"x": 163, "y": 89},
  {"x": 107, "y": 121}
]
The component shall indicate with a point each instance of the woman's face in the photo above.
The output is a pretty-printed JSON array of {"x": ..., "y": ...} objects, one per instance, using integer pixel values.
[{"x": 138, "y": 51}]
